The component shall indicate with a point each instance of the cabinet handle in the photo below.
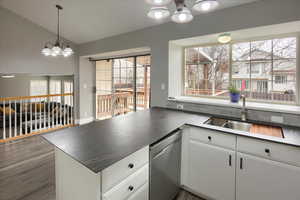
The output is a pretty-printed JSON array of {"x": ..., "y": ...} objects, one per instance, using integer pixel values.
[
  {"x": 131, "y": 165},
  {"x": 209, "y": 138},
  {"x": 241, "y": 163},
  {"x": 130, "y": 188},
  {"x": 267, "y": 151},
  {"x": 230, "y": 158}
]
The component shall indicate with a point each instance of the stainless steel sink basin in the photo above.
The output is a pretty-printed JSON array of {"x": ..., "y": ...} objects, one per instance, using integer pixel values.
[
  {"x": 274, "y": 131},
  {"x": 241, "y": 126},
  {"x": 235, "y": 125}
]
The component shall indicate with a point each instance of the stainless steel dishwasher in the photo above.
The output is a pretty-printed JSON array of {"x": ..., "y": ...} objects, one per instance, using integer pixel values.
[{"x": 165, "y": 162}]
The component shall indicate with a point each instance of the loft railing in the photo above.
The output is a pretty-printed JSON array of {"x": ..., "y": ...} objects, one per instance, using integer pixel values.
[{"x": 30, "y": 115}]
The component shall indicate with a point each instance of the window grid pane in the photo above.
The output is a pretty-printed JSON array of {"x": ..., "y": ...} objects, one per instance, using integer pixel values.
[{"x": 263, "y": 70}]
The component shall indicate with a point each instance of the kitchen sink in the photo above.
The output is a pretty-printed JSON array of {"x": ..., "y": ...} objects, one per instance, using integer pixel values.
[
  {"x": 235, "y": 125},
  {"x": 247, "y": 127}
]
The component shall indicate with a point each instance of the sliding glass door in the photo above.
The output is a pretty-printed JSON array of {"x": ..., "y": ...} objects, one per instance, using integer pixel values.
[{"x": 122, "y": 85}]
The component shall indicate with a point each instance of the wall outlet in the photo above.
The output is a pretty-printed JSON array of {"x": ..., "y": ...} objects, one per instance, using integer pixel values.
[
  {"x": 277, "y": 119},
  {"x": 180, "y": 106},
  {"x": 163, "y": 86}
]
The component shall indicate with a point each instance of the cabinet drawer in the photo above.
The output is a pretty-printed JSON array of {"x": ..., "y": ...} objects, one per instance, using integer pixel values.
[
  {"x": 271, "y": 150},
  {"x": 129, "y": 186},
  {"x": 114, "y": 174},
  {"x": 141, "y": 194},
  {"x": 213, "y": 137}
]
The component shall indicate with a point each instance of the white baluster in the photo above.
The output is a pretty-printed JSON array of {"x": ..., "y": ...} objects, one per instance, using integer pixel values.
[
  {"x": 21, "y": 117},
  {"x": 45, "y": 114},
  {"x": 9, "y": 106},
  {"x": 16, "y": 125},
  {"x": 31, "y": 123},
  {"x": 4, "y": 121},
  {"x": 35, "y": 114},
  {"x": 26, "y": 113}
]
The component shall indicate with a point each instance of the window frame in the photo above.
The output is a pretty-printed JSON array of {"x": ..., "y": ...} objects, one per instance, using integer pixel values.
[{"x": 252, "y": 39}]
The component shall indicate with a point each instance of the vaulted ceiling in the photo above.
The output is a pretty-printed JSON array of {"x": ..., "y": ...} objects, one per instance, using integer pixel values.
[{"x": 88, "y": 20}]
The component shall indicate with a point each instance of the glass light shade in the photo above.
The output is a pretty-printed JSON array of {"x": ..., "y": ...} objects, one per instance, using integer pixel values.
[
  {"x": 67, "y": 52},
  {"x": 224, "y": 38},
  {"x": 56, "y": 50},
  {"x": 158, "y": 2},
  {"x": 159, "y": 13},
  {"x": 205, "y": 5},
  {"x": 8, "y": 76},
  {"x": 53, "y": 54},
  {"x": 182, "y": 16},
  {"x": 46, "y": 51}
]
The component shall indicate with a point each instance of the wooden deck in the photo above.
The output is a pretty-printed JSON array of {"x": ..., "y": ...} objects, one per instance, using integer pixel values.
[{"x": 27, "y": 171}]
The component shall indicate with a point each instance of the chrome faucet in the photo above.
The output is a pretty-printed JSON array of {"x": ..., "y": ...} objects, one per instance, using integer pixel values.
[{"x": 244, "y": 110}]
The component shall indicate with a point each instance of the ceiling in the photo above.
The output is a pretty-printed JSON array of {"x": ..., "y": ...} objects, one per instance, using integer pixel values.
[{"x": 88, "y": 20}]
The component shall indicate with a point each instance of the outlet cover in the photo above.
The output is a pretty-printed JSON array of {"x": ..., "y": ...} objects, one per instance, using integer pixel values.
[{"x": 180, "y": 106}]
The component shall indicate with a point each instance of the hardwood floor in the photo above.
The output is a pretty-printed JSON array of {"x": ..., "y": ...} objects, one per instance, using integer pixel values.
[
  {"x": 27, "y": 171},
  {"x": 184, "y": 195}
]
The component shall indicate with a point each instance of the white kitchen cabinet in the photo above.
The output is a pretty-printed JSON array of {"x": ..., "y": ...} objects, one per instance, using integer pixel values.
[
  {"x": 260, "y": 178},
  {"x": 207, "y": 169},
  {"x": 125, "y": 179},
  {"x": 141, "y": 194}
]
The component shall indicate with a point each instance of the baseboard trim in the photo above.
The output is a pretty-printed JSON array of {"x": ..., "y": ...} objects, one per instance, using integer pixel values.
[{"x": 84, "y": 120}]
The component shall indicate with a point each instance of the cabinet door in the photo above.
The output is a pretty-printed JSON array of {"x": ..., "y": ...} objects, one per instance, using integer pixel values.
[
  {"x": 211, "y": 171},
  {"x": 259, "y": 178}
]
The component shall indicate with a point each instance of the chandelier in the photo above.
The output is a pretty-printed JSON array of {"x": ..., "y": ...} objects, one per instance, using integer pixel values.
[
  {"x": 182, "y": 13},
  {"x": 59, "y": 48}
]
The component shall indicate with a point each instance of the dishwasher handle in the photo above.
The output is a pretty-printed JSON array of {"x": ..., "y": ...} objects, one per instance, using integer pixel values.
[{"x": 161, "y": 152}]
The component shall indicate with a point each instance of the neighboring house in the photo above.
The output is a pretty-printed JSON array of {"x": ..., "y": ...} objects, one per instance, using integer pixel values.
[{"x": 283, "y": 79}]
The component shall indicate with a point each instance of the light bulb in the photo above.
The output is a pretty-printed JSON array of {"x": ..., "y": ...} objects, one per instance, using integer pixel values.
[
  {"x": 46, "y": 51},
  {"x": 56, "y": 50},
  {"x": 182, "y": 16},
  {"x": 205, "y": 5},
  {"x": 158, "y": 13},
  {"x": 54, "y": 54}
]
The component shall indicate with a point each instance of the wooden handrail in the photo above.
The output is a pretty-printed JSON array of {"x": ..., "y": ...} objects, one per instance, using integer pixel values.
[{"x": 34, "y": 97}]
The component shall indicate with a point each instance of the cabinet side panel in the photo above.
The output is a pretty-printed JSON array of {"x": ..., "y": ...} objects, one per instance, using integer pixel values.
[{"x": 74, "y": 181}]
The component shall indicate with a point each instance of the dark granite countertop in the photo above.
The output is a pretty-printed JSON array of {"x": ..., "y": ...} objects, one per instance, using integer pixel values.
[{"x": 100, "y": 144}]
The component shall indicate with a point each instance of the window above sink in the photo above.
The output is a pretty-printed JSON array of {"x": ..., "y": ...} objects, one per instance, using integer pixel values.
[{"x": 264, "y": 70}]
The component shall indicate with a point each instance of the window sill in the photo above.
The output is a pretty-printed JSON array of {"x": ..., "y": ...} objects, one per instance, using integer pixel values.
[{"x": 291, "y": 109}]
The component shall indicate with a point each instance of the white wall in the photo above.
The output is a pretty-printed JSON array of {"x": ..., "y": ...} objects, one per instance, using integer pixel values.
[{"x": 261, "y": 13}]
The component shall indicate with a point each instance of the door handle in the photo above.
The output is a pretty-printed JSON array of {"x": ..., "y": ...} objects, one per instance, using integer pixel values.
[{"x": 230, "y": 160}]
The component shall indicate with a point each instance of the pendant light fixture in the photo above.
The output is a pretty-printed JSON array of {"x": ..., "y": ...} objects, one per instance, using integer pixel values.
[
  {"x": 182, "y": 13},
  {"x": 59, "y": 48}
]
